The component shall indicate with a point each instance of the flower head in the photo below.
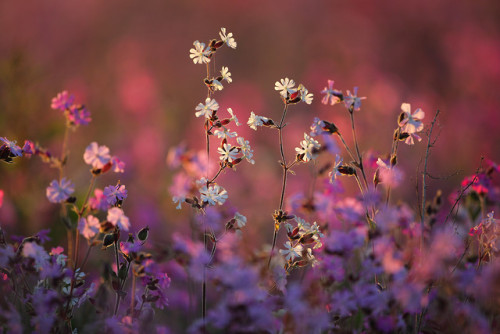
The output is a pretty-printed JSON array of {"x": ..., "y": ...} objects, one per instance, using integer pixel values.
[
  {"x": 62, "y": 101},
  {"x": 79, "y": 115},
  {"x": 331, "y": 95},
  {"x": 305, "y": 96},
  {"x": 207, "y": 109},
  {"x": 411, "y": 123},
  {"x": 60, "y": 192},
  {"x": 245, "y": 149},
  {"x": 308, "y": 148},
  {"x": 227, "y": 38},
  {"x": 226, "y": 75},
  {"x": 96, "y": 156},
  {"x": 335, "y": 171},
  {"x": 199, "y": 54},
  {"x": 227, "y": 152},
  {"x": 352, "y": 100},
  {"x": 88, "y": 226},
  {"x": 213, "y": 195},
  {"x": 118, "y": 218},
  {"x": 233, "y": 117},
  {"x": 9, "y": 149},
  {"x": 285, "y": 86},
  {"x": 114, "y": 194},
  {"x": 254, "y": 121},
  {"x": 291, "y": 252}
]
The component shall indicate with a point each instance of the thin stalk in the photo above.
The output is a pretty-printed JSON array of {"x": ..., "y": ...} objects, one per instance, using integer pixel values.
[
  {"x": 360, "y": 158},
  {"x": 132, "y": 299},
  {"x": 117, "y": 303}
]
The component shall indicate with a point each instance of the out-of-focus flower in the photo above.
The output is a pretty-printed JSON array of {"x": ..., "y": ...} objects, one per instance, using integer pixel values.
[
  {"x": 96, "y": 156},
  {"x": 118, "y": 166},
  {"x": 114, "y": 194},
  {"x": 207, "y": 109},
  {"x": 317, "y": 127},
  {"x": 291, "y": 252},
  {"x": 98, "y": 202},
  {"x": 226, "y": 75},
  {"x": 227, "y": 152},
  {"x": 213, "y": 195},
  {"x": 335, "y": 171},
  {"x": 37, "y": 252},
  {"x": 62, "y": 101},
  {"x": 60, "y": 192},
  {"x": 308, "y": 148},
  {"x": 233, "y": 116},
  {"x": 9, "y": 149},
  {"x": 79, "y": 115},
  {"x": 391, "y": 176},
  {"x": 331, "y": 95},
  {"x": 352, "y": 100},
  {"x": 411, "y": 123},
  {"x": 227, "y": 38},
  {"x": 305, "y": 96},
  {"x": 1, "y": 198},
  {"x": 246, "y": 150},
  {"x": 285, "y": 86},
  {"x": 224, "y": 133},
  {"x": 29, "y": 147},
  {"x": 199, "y": 54},
  {"x": 240, "y": 220},
  {"x": 118, "y": 218},
  {"x": 88, "y": 226}
]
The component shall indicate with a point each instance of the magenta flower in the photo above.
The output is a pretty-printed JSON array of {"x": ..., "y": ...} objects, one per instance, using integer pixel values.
[
  {"x": 98, "y": 202},
  {"x": 1, "y": 198},
  {"x": 79, "y": 115},
  {"x": 96, "y": 156},
  {"x": 60, "y": 192},
  {"x": 118, "y": 218},
  {"x": 89, "y": 226},
  {"x": 115, "y": 193},
  {"x": 62, "y": 101},
  {"x": 29, "y": 147}
]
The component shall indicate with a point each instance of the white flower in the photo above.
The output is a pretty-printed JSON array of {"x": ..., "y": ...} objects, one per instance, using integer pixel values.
[
  {"x": 411, "y": 123},
  {"x": 228, "y": 39},
  {"x": 199, "y": 54},
  {"x": 227, "y": 152},
  {"x": 226, "y": 75},
  {"x": 240, "y": 220},
  {"x": 353, "y": 100},
  {"x": 207, "y": 109},
  {"x": 285, "y": 86},
  {"x": 335, "y": 171},
  {"x": 308, "y": 147},
  {"x": 213, "y": 194},
  {"x": 179, "y": 200},
  {"x": 224, "y": 133},
  {"x": 254, "y": 121},
  {"x": 217, "y": 85},
  {"x": 117, "y": 217},
  {"x": 89, "y": 226},
  {"x": 305, "y": 96},
  {"x": 233, "y": 117},
  {"x": 291, "y": 252},
  {"x": 96, "y": 156},
  {"x": 246, "y": 150},
  {"x": 59, "y": 192}
]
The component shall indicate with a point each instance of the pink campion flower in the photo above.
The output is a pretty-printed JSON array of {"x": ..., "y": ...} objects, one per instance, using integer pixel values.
[
  {"x": 331, "y": 95},
  {"x": 79, "y": 115},
  {"x": 88, "y": 226},
  {"x": 207, "y": 109},
  {"x": 114, "y": 194},
  {"x": 118, "y": 218},
  {"x": 118, "y": 166},
  {"x": 98, "y": 202},
  {"x": 60, "y": 192},
  {"x": 352, "y": 99},
  {"x": 96, "y": 156},
  {"x": 62, "y": 101}
]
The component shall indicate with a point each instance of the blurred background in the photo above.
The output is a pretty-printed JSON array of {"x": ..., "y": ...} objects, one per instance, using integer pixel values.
[{"x": 128, "y": 62}]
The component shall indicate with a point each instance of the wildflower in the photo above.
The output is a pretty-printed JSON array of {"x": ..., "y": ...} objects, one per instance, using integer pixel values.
[
  {"x": 240, "y": 220},
  {"x": 99, "y": 201},
  {"x": 179, "y": 200},
  {"x": 228, "y": 39},
  {"x": 62, "y": 101},
  {"x": 305, "y": 96},
  {"x": 9, "y": 149},
  {"x": 245, "y": 149},
  {"x": 79, "y": 115},
  {"x": 37, "y": 252},
  {"x": 226, "y": 75},
  {"x": 207, "y": 109},
  {"x": 233, "y": 117},
  {"x": 115, "y": 193},
  {"x": 118, "y": 166},
  {"x": 291, "y": 252},
  {"x": 224, "y": 133},
  {"x": 213, "y": 194},
  {"x": 352, "y": 101},
  {"x": 317, "y": 127},
  {"x": 199, "y": 54},
  {"x": 60, "y": 192},
  {"x": 227, "y": 152},
  {"x": 331, "y": 95},
  {"x": 335, "y": 171},
  {"x": 390, "y": 175},
  {"x": 285, "y": 86},
  {"x": 215, "y": 85},
  {"x": 88, "y": 226},
  {"x": 29, "y": 148},
  {"x": 254, "y": 121},
  {"x": 96, "y": 156},
  {"x": 309, "y": 148},
  {"x": 411, "y": 123},
  {"x": 118, "y": 218}
]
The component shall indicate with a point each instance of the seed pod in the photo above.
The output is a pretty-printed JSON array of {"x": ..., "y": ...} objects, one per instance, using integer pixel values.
[
  {"x": 108, "y": 240},
  {"x": 346, "y": 170},
  {"x": 330, "y": 127},
  {"x": 143, "y": 234}
]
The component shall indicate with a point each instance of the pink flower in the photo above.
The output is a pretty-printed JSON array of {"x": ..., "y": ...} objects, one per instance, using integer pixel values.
[
  {"x": 79, "y": 115},
  {"x": 29, "y": 147},
  {"x": 331, "y": 95},
  {"x": 115, "y": 193},
  {"x": 118, "y": 218},
  {"x": 60, "y": 192},
  {"x": 62, "y": 101},
  {"x": 118, "y": 166},
  {"x": 96, "y": 156},
  {"x": 98, "y": 202},
  {"x": 352, "y": 100},
  {"x": 89, "y": 226}
]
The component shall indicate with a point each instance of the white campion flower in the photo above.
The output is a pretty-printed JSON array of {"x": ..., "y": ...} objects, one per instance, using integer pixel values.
[
  {"x": 213, "y": 195},
  {"x": 246, "y": 150},
  {"x": 241, "y": 220},
  {"x": 227, "y": 152},
  {"x": 227, "y": 38},
  {"x": 233, "y": 117},
  {"x": 352, "y": 99},
  {"x": 179, "y": 200},
  {"x": 96, "y": 156},
  {"x": 254, "y": 121},
  {"x": 308, "y": 147},
  {"x": 199, "y": 54},
  {"x": 291, "y": 252},
  {"x": 411, "y": 123},
  {"x": 335, "y": 171},
  {"x": 305, "y": 96},
  {"x": 226, "y": 75},
  {"x": 285, "y": 86},
  {"x": 118, "y": 218},
  {"x": 224, "y": 133},
  {"x": 207, "y": 109},
  {"x": 217, "y": 85}
]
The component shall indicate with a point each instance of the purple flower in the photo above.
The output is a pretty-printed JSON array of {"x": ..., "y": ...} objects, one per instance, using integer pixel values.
[
  {"x": 118, "y": 218},
  {"x": 115, "y": 193},
  {"x": 79, "y": 115},
  {"x": 98, "y": 202},
  {"x": 62, "y": 101},
  {"x": 9, "y": 149},
  {"x": 29, "y": 147},
  {"x": 60, "y": 192}
]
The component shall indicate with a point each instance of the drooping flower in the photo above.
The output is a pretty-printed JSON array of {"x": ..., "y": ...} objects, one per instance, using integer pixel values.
[
  {"x": 305, "y": 96},
  {"x": 199, "y": 54},
  {"x": 389, "y": 175},
  {"x": 118, "y": 218},
  {"x": 240, "y": 220},
  {"x": 114, "y": 194},
  {"x": 285, "y": 86},
  {"x": 96, "y": 156},
  {"x": 335, "y": 171},
  {"x": 227, "y": 38},
  {"x": 88, "y": 226},
  {"x": 411, "y": 123},
  {"x": 207, "y": 109},
  {"x": 254, "y": 121},
  {"x": 60, "y": 192},
  {"x": 331, "y": 95},
  {"x": 352, "y": 100},
  {"x": 233, "y": 117},
  {"x": 308, "y": 148}
]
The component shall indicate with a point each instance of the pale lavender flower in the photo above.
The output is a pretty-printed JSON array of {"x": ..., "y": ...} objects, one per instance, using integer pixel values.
[
  {"x": 62, "y": 101},
  {"x": 36, "y": 252},
  {"x": 114, "y": 194},
  {"x": 118, "y": 218},
  {"x": 291, "y": 252},
  {"x": 331, "y": 95},
  {"x": 88, "y": 226},
  {"x": 96, "y": 156},
  {"x": 213, "y": 195},
  {"x": 98, "y": 202},
  {"x": 352, "y": 99},
  {"x": 118, "y": 166},
  {"x": 335, "y": 171},
  {"x": 60, "y": 192}
]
